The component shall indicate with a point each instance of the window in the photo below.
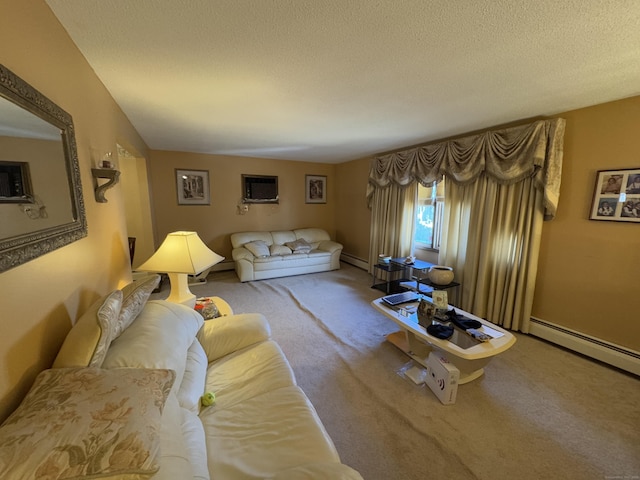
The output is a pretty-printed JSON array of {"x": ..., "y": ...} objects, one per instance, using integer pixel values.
[{"x": 429, "y": 210}]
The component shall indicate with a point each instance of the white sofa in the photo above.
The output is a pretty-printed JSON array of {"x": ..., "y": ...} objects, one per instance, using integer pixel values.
[
  {"x": 123, "y": 400},
  {"x": 261, "y": 255}
]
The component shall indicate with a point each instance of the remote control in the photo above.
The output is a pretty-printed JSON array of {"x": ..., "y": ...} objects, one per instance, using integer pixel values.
[{"x": 478, "y": 335}]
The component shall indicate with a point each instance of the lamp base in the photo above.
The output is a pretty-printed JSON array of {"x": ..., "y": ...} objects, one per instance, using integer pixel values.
[
  {"x": 180, "y": 292},
  {"x": 199, "y": 279}
]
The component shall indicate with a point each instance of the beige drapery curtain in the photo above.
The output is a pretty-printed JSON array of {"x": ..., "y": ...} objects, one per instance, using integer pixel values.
[
  {"x": 508, "y": 156},
  {"x": 492, "y": 240},
  {"x": 500, "y": 186},
  {"x": 392, "y": 225}
]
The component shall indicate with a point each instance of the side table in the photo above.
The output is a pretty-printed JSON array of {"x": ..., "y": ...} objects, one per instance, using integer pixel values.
[
  {"x": 389, "y": 284},
  {"x": 402, "y": 276},
  {"x": 223, "y": 308}
]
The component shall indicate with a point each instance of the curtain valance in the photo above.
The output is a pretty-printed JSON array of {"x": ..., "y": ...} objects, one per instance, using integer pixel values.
[{"x": 508, "y": 156}]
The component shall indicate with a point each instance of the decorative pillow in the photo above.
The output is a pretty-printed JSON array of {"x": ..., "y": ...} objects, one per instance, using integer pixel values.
[
  {"x": 299, "y": 246},
  {"x": 134, "y": 297},
  {"x": 258, "y": 248},
  {"x": 280, "y": 250},
  {"x": 88, "y": 340},
  {"x": 159, "y": 338},
  {"x": 92, "y": 422}
]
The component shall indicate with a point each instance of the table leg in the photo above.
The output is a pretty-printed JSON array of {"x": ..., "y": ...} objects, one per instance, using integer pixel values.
[{"x": 419, "y": 351}]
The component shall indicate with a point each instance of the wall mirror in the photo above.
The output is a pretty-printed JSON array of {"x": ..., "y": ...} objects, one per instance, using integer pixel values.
[{"x": 41, "y": 204}]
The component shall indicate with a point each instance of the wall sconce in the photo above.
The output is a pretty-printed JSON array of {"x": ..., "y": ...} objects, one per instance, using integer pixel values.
[
  {"x": 35, "y": 209},
  {"x": 111, "y": 174}
]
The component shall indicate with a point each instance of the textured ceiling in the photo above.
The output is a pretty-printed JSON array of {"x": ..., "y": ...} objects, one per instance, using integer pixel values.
[{"x": 334, "y": 80}]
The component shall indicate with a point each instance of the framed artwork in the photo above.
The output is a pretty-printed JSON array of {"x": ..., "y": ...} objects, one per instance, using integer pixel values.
[
  {"x": 193, "y": 187},
  {"x": 315, "y": 188},
  {"x": 616, "y": 196}
]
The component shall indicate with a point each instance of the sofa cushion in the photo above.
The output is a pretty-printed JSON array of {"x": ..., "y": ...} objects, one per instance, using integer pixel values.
[
  {"x": 175, "y": 459},
  {"x": 262, "y": 435},
  {"x": 279, "y": 250},
  {"x": 258, "y": 248},
  {"x": 297, "y": 260},
  {"x": 247, "y": 373},
  {"x": 312, "y": 235},
  {"x": 196, "y": 445},
  {"x": 239, "y": 239},
  {"x": 134, "y": 298},
  {"x": 299, "y": 246},
  {"x": 86, "y": 422},
  {"x": 281, "y": 237},
  {"x": 193, "y": 381},
  {"x": 87, "y": 342},
  {"x": 229, "y": 334}
]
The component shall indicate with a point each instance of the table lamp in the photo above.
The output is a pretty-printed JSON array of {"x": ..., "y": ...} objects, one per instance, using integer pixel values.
[{"x": 181, "y": 254}]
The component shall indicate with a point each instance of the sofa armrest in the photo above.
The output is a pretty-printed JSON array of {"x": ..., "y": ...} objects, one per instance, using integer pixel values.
[
  {"x": 242, "y": 253},
  {"x": 224, "y": 335},
  {"x": 329, "y": 246}
]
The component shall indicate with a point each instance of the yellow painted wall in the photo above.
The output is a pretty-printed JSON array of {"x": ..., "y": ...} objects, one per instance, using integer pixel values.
[
  {"x": 353, "y": 217},
  {"x": 588, "y": 270},
  {"x": 134, "y": 181},
  {"x": 41, "y": 299},
  {"x": 215, "y": 222}
]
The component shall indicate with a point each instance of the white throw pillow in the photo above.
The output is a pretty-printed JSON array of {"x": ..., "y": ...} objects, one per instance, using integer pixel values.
[
  {"x": 160, "y": 337},
  {"x": 258, "y": 248},
  {"x": 280, "y": 250},
  {"x": 299, "y": 246}
]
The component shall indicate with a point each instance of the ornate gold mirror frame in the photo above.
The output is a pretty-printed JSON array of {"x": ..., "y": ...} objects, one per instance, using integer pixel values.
[{"x": 54, "y": 206}]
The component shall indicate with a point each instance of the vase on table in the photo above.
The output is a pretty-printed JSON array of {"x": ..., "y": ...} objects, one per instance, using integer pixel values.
[{"x": 440, "y": 275}]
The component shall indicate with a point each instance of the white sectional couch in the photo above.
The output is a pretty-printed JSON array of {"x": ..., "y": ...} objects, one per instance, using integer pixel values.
[
  {"x": 261, "y": 255},
  {"x": 123, "y": 400}
]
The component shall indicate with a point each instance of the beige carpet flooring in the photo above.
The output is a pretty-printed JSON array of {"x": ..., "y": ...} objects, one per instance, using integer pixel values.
[{"x": 539, "y": 412}]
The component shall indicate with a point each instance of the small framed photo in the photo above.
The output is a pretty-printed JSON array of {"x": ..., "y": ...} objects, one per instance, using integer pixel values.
[
  {"x": 440, "y": 299},
  {"x": 193, "y": 187},
  {"x": 315, "y": 189},
  {"x": 426, "y": 311},
  {"x": 616, "y": 196}
]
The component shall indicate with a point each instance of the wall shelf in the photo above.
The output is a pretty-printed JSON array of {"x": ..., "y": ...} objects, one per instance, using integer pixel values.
[{"x": 110, "y": 174}]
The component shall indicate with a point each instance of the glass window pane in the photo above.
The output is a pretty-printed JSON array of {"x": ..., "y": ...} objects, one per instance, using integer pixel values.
[
  {"x": 424, "y": 225},
  {"x": 428, "y": 220}
]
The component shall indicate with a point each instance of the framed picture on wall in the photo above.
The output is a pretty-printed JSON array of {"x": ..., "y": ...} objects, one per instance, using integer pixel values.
[
  {"x": 193, "y": 187},
  {"x": 315, "y": 188},
  {"x": 616, "y": 196}
]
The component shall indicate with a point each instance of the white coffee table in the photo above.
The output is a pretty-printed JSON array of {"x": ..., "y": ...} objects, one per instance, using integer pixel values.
[{"x": 470, "y": 356}]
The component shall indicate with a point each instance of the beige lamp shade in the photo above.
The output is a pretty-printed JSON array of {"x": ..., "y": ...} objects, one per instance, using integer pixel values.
[{"x": 181, "y": 254}]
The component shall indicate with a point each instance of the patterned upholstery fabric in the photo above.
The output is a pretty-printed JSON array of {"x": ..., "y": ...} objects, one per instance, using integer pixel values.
[
  {"x": 135, "y": 296},
  {"x": 77, "y": 422},
  {"x": 88, "y": 341}
]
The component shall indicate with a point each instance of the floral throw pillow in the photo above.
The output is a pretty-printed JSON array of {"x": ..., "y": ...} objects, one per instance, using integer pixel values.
[
  {"x": 134, "y": 298},
  {"x": 87, "y": 422},
  {"x": 87, "y": 342}
]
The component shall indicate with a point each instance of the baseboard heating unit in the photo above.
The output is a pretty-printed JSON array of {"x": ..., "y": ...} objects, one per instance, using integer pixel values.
[
  {"x": 610, "y": 353},
  {"x": 355, "y": 261}
]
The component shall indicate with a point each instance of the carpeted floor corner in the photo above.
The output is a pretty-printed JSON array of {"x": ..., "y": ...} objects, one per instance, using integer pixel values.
[{"x": 539, "y": 412}]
